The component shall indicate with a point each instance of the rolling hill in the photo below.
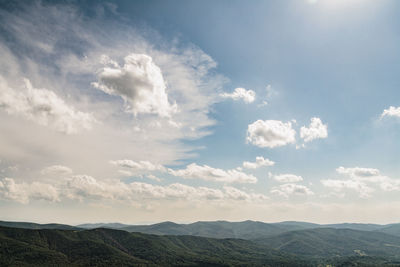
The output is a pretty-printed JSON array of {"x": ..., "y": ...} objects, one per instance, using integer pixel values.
[
  {"x": 330, "y": 242},
  {"x": 108, "y": 247},
  {"x": 220, "y": 229}
]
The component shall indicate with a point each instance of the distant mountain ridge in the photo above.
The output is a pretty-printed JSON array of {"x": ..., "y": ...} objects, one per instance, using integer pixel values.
[
  {"x": 216, "y": 229},
  {"x": 30, "y": 225}
]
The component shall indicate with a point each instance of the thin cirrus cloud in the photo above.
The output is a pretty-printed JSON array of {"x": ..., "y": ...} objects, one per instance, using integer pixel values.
[
  {"x": 139, "y": 82},
  {"x": 56, "y": 169},
  {"x": 248, "y": 96},
  {"x": 316, "y": 130},
  {"x": 260, "y": 162},
  {"x": 43, "y": 107},
  {"x": 270, "y": 133}
]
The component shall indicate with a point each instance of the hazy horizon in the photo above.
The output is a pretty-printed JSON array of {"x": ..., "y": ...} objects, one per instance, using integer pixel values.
[{"x": 185, "y": 111}]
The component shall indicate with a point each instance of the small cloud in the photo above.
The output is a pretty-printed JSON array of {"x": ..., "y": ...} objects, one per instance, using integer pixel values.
[
  {"x": 248, "y": 96},
  {"x": 260, "y": 162},
  {"x": 138, "y": 165},
  {"x": 56, "y": 169},
  {"x": 194, "y": 171},
  {"x": 316, "y": 130},
  {"x": 270, "y": 133},
  {"x": 287, "y": 190},
  {"x": 391, "y": 112},
  {"x": 153, "y": 177},
  {"x": 286, "y": 178}
]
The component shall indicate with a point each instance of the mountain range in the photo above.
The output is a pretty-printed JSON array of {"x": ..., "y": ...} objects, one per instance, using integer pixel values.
[{"x": 218, "y": 243}]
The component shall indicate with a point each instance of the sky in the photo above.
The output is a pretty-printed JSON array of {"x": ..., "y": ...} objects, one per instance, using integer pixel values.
[{"x": 149, "y": 111}]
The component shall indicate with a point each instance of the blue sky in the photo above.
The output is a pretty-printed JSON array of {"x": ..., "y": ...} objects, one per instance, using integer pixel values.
[{"x": 145, "y": 111}]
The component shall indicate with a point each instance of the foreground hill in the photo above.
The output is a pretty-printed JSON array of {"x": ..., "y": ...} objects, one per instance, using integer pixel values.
[
  {"x": 329, "y": 242},
  {"x": 107, "y": 247}
]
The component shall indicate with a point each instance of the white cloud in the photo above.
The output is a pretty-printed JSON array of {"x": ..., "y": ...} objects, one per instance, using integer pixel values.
[
  {"x": 153, "y": 177},
  {"x": 56, "y": 169},
  {"x": 270, "y": 133},
  {"x": 339, "y": 185},
  {"x": 391, "y": 112},
  {"x": 87, "y": 188},
  {"x": 316, "y": 130},
  {"x": 248, "y": 96},
  {"x": 52, "y": 59},
  {"x": 358, "y": 172},
  {"x": 138, "y": 165},
  {"x": 260, "y": 162},
  {"x": 287, "y": 178},
  {"x": 236, "y": 194},
  {"x": 24, "y": 192},
  {"x": 43, "y": 107},
  {"x": 194, "y": 171},
  {"x": 139, "y": 82},
  {"x": 363, "y": 181},
  {"x": 286, "y": 190}
]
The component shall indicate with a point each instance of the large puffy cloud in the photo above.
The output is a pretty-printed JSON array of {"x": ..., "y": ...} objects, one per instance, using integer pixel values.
[
  {"x": 24, "y": 192},
  {"x": 316, "y": 130},
  {"x": 391, "y": 112},
  {"x": 270, "y": 133},
  {"x": 260, "y": 162},
  {"x": 287, "y": 178},
  {"x": 248, "y": 96},
  {"x": 139, "y": 82},
  {"x": 194, "y": 171},
  {"x": 43, "y": 107},
  {"x": 287, "y": 190}
]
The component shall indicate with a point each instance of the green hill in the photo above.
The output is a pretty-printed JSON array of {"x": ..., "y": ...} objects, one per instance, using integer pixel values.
[
  {"x": 329, "y": 242},
  {"x": 107, "y": 247},
  {"x": 392, "y": 229}
]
